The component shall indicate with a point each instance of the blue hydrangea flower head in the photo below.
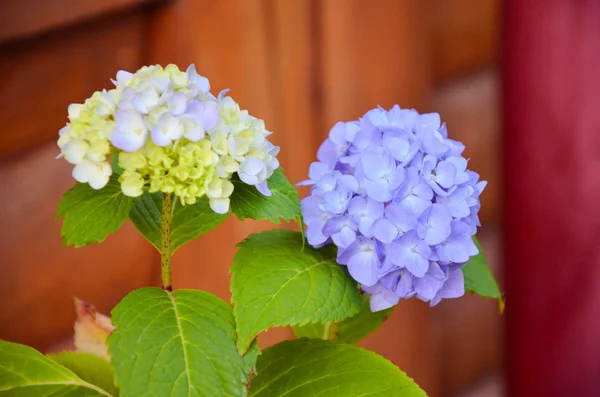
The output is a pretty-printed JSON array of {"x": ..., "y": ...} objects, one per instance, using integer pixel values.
[{"x": 394, "y": 194}]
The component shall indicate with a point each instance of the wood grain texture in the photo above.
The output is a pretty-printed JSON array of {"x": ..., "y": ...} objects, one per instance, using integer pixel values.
[
  {"x": 464, "y": 35},
  {"x": 366, "y": 61},
  {"x": 42, "y": 77},
  {"x": 21, "y": 19}
]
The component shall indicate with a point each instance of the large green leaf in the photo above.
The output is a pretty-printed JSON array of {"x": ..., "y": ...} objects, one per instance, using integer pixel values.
[
  {"x": 313, "y": 367},
  {"x": 479, "y": 278},
  {"x": 90, "y": 368},
  {"x": 90, "y": 215},
  {"x": 25, "y": 372},
  {"x": 189, "y": 221},
  {"x": 351, "y": 330},
  {"x": 247, "y": 202},
  {"x": 176, "y": 344},
  {"x": 276, "y": 283}
]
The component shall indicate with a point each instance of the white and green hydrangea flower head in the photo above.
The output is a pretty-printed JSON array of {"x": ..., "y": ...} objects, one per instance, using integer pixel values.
[{"x": 171, "y": 135}]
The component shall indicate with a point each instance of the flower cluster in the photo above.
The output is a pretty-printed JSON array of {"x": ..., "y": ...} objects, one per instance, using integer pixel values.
[
  {"x": 393, "y": 193},
  {"x": 171, "y": 135}
]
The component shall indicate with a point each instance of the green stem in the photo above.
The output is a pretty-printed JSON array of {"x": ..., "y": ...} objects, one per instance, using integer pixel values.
[
  {"x": 165, "y": 236},
  {"x": 331, "y": 331}
]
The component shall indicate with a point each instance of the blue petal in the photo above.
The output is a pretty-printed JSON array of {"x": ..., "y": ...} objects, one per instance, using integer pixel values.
[
  {"x": 414, "y": 205},
  {"x": 427, "y": 287},
  {"x": 415, "y": 264},
  {"x": 454, "y": 286},
  {"x": 334, "y": 225},
  {"x": 329, "y": 153},
  {"x": 384, "y": 230},
  {"x": 398, "y": 146},
  {"x": 374, "y": 209},
  {"x": 311, "y": 210},
  {"x": 382, "y": 300},
  {"x": 263, "y": 188},
  {"x": 363, "y": 267},
  {"x": 377, "y": 162},
  {"x": 345, "y": 237},
  {"x": 379, "y": 190},
  {"x": 350, "y": 251},
  {"x": 397, "y": 177},
  {"x": 461, "y": 166},
  {"x": 434, "y": 226},
  {"x": 410, "y": 252},
  {"x": 445, "y": 174},
  {"x": 314, "y": 235},
  {"x": 338, "y": 133},
  {"x": 365, "y": 226},
  {"x": 335, "y": 202},
  {"x": 349, "y": 182},
  {"x": 433, "y": 143},
  {"x": 403, "y": 218},
  {"x": 317, "y": 170},
  {"x": 428, "y": 121}
]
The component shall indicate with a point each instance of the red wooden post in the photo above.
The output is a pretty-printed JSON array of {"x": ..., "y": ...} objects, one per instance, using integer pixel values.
[{"x": 552, "y": 163}]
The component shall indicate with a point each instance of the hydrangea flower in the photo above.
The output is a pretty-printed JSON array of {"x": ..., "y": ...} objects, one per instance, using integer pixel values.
[
  {"x": 171, "y": 135},
  {"x": 393, "y": 193}
]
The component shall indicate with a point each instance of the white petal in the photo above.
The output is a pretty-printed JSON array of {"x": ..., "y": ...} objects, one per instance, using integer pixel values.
[
  {"x": 201, "y": 82},
  {"x": 252, "y": 166},
  {"x": 128, "y": 141},
  {"x": 74, "y": 110},
  {"x": 123, "y": 77},
  {"x": 248, "y": 179},
  {"x": 177, "y": 103},
  {"x": 129, "y": 133},
  {"x": 159, "y": 137},
  {"x": 96, "y": 174},
  {"x": 83, "y": 171},
  {"x": 195, "y": 133},
  {"x": 99, "y": 181},
  {"x": 166, "y": 130},
  {"x": 220, "y": 206},
  {"x": 74, "y": 151},
  {"x": 145, "y": 101}
]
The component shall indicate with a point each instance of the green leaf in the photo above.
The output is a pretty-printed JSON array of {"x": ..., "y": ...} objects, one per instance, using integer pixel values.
[
  {"x": 251, "y": 356},
  {"x": 146, "y": 216},
  {"x": 313, "y": 367},
  {"x": 276, "y": 283},
  {"x": 26, "y": 372},
  {"x": 353, "y": 329},
  {"x": 176, "y": 344},
  {"x": 90, "y": 368},
  {"x": 189, "y": 221},
  {"x": 192, "y": 221},
  {"x": 248, "y": 202},
  {"x": 479, "y": 278},
  {"x": 90, "y": 215}
]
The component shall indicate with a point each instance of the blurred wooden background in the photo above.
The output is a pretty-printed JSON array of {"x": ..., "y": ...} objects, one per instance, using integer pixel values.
[{"x": 300, "y": 65}]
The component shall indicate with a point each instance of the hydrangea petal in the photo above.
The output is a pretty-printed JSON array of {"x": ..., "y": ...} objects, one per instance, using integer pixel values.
[{"x": 384, "y": 230}]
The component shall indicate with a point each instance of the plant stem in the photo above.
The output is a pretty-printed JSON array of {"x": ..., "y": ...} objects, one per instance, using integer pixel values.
[
  {"x": 331, "y": 331},
  {"x": 165, "y": 235}
]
